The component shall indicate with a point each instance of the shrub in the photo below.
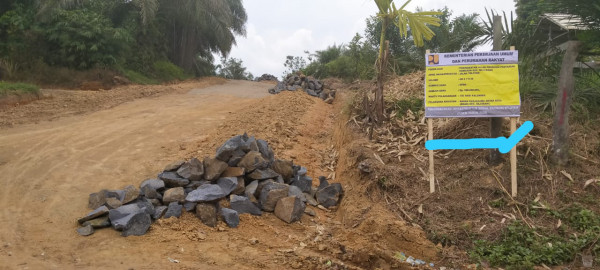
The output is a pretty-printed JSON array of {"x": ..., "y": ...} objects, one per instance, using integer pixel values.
[
  {"x": 137, "y": 77},
  {"x": 167, "y": 71},
  {"x": 18, "y": 89}
]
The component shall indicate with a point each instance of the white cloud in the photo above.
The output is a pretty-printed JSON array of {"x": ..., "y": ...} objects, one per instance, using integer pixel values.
[{"x": 279, "y": 28}]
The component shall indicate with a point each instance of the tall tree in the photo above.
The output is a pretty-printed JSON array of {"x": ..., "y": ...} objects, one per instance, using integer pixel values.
[{"x": 417, "y": 22}]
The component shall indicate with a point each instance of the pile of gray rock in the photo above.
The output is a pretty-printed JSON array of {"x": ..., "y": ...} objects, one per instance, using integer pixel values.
[
  {"x": 309, "y": 84},
  {"x": 267, "y": 77},
  {"x": 243, "y": 178}
]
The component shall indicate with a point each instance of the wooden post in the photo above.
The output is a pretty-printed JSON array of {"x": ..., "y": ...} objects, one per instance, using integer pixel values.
[
  {"x": 513, "y": 159},
  {"x": 496, "y": 122},
  {"x": 566, "y": 86},
  {"x": 513, "y": 154},
  {"x": 431, "y": 161}
]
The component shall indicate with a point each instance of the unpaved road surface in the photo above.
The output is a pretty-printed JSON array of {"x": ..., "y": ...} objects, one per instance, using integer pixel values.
[{"x": 48, "y": 169}]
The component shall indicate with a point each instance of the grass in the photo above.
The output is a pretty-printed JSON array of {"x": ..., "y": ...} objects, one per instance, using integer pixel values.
[
  {"x": 7, "y": 88},
  {"x": 138, "y": 78},
  {"x": 520, "y": 247}
]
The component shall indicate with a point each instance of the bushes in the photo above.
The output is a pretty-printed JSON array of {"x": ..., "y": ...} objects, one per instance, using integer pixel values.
[{"x": 520, "y": 247}]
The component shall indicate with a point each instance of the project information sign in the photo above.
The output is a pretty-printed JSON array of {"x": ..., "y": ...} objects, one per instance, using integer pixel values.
[{"x": 472, "y": 84}]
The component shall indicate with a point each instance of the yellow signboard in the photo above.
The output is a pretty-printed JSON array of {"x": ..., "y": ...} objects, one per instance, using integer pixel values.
[
  {"x": 475, "y": 85},
  {"x": 472, "y": 84}
]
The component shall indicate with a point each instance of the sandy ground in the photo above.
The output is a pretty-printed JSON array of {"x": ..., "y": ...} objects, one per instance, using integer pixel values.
[{"x": 49, "y": 168}]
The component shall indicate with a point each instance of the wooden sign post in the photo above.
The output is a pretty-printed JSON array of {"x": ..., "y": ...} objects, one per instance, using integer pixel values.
[{"x": 472, "y": 84}]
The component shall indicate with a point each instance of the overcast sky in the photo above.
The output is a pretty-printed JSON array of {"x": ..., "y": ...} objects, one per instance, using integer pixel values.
[{"x": 277, "y": 28}]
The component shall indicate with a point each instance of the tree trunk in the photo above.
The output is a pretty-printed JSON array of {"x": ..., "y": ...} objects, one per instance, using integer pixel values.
[
  {"x": 566, "y": 86},
  {"x": 379, "y": 117},
  {"x": 496, "y": 122}
]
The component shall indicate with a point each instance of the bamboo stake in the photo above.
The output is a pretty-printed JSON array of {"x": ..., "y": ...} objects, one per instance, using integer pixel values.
[
  {"x": 431, "y": 161},
  {"x": 513, "y": 159}
]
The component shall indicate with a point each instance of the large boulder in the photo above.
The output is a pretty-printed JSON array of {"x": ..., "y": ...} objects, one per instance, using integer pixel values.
[
  {"x": 206, "y": 193},
  {"x": 213, "y": 168},
  {"x": 290, "y": 209},
  {"x": 137, "y": 224},
  {"x": 155, "y": 184}
]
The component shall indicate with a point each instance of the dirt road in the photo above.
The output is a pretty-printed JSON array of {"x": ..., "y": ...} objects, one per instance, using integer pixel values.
[{"x": 48, "y": 170}]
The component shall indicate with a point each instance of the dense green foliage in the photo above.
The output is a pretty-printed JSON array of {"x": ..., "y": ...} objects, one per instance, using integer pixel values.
[
  {"x": 234, "y": 69},
  {"x": 146, "y": 40}
]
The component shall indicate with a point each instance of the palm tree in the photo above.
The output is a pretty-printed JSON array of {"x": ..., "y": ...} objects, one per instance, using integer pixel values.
[
  {"x": 417, "y": 22},
  {"x": 198, "y": 28}
]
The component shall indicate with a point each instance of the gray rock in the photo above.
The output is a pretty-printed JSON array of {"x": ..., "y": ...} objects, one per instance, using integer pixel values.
[
  {"x": 310, "y": 199},
  {"x": 174, "y": 166},
  {"x": 330, "y": 195},
  {"x": 120, "y": 216},
  {"x": 155, "y": 184},
  {"x": 261, "y": 185},
  {"x": 189, "y": 206},
  {"x": 155, "y": 202},
  {"x": 252, "y": 161},
  {"x": 279, "y": 180},
  {"x": 323, "y": 182},
  {"x": 263, "y": 174},
  {"x": 250, "y": 145},
  {"x": 172, "y": 179},
  {"x": 146, "y": 205},
  {"x": 226, "y": 150},
  {"x": 130, "y": 193},
  {"x": 303, "y": 182},
  {"x": 284, "y": 168},
  {"x": 207, "y": 213},
  {"x": 233, "y": 172},
  {"x": 97, "y": 199},
  {"x": 265, "y": 150},
  {"x": 290, "y": 209},
  {"x": 174, "y": 210},
  {"x": 235, "y": 159},
  {"x": 302, "y": 171},
  {"x": 309, "y": 211},
  {"x": 251, "y": 188},
  {"x": 241, "y": 186},
  {"x": 159, "y": 211},
  {"x": 231, "y": 217},
  {"x": 227, "y": 184},
  {"x": 243, "y": 205},
  {"x": 311, "y": 92},
  {"x": 137, "y": 224},
  {"x": 206, "y": 193},
  {"x": 295, "y": 191},
  {"x": 97, "y": 223},
  {"x": 100, "y": 211},
  {"x": 113, "y": 203},
  {"x": 292, "y": 88},
  {"x": 192, "y": 170},
  {"x": 213, "y": 168},
  {"x": 271, "y": 194},
  {"x": 85, "y": 230},
  {"x": 150, "y": 193},
  {"x": 174, "y": 195}
]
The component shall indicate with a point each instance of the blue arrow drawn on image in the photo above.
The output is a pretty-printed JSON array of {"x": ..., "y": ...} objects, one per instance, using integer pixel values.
[{"x": 503, "y": 144}]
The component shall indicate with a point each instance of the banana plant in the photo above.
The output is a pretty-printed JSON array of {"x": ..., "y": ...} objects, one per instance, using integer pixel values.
[{"x": 417, "y": 22}]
